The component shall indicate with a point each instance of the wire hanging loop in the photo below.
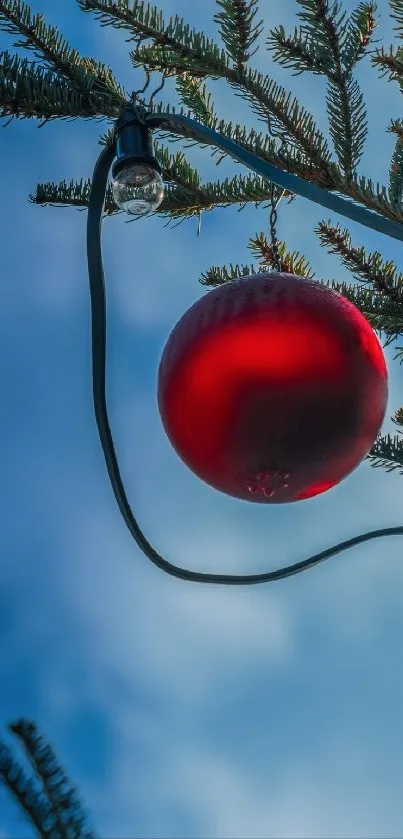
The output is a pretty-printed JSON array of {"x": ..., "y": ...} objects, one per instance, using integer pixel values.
[
  {"x": 276, "y": 261},
  {"x": 135, "y": 95}
]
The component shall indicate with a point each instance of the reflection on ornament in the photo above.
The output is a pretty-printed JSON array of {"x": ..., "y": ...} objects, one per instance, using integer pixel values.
[{"x": 272, "y": 388}]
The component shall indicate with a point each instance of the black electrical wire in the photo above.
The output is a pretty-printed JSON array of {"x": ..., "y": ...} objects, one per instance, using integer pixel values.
[{"x": 98, "y": 321}]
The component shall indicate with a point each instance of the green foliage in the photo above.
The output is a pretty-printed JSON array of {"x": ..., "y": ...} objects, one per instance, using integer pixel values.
[
  {"x": 185, "y": 195},
  {"x": 84, "y": 74},
  {"x": 384, "y": 315},
  {"x": 387, "y": 452},
  {"x": 286, "y": 115},
  {"x": 368, "y": 268},
  {"x": 325, "y": 46},
  {"x": 33, "y": 805},
  {"x": 237, "y": 29},
  {"x": 49, "y": 803},
  {"x": 357, "y": 34},
  {"x": 28, "y": 90},
  {"x": 347, "y": 122},
  {"x": 194, "y": 94},
  {"x": 290, "y": 263}
]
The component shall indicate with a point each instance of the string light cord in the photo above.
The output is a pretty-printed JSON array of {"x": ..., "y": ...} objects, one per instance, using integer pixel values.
[{"x": 99, "y": 344}]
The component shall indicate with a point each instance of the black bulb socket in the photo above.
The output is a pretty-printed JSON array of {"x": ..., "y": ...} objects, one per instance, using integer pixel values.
[{"x": 133, "y": 144}]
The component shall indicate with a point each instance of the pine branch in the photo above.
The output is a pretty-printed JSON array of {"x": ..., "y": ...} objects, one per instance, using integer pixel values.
[
  {"x": 196, "y": 98},
  {"x": 358, "y": 188},
  {"x": 321, "y": 25},
  {"x": 265, "y": 97},
  {"x": 387, "y": 452},
  {"x": 176, "y": 169},
  {"x": 70, "y": 819},
  {"x": 144, "y": 21},
  {"x": 290, "y": 263},
  {"x": 367, "y": 268},
  {"x": 399, "y": 355},
  {"x": 187, "y": 197},
  {"x": 318, "y": 48},
  {"x": 358, "y": 35},
  {"x": 392, "y": 63},
  {"x": 395, "y": 191},
  {"x": 362, "y": 190},
  {"x": 286, "y": 116},
  {"x": 75, "y": 194},
  {"x": 27, "y": 91},
  {"x": 397, "y": 13},
  {"x": 32, "y": 802},
  {"x": 200, "y": 59},
  {"x": 177, "y": 50},
  {"x": 348, "y": 124},
  {"x": 139, "y": 18},
  {"x": 299, "y": 52},
  {"x": 217, "y": 275},
  {"x": 84, "y": 74},
  {"x": 398, "y": 418},
  {"x": 237, "y": 30},
  {"x": 385, "y": 316},
  {"x": 262, "y": 94}
]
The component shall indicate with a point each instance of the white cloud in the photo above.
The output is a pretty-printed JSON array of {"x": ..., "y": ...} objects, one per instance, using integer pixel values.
[{"x": 337, "y": 795}]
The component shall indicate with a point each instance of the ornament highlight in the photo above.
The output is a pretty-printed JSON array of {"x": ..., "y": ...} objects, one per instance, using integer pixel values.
[{"x": 272, "y": 388}]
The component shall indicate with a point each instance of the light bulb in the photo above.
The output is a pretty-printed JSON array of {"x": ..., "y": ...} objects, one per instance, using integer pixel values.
[{"x": 138, "y": 189}]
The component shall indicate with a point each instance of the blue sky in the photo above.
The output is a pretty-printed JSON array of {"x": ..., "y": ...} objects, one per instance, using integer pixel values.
[{"x": 182, "y": 710}]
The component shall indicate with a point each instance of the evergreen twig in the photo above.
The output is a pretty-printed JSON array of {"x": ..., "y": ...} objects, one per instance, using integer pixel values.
[
  {"x": 238, "y": 30},
  {"x": 70, "y": 820},
  {"x": 33, "y": 804},
  {"x": 85, "y": 74},
  {"x": 28, "y": 90}
]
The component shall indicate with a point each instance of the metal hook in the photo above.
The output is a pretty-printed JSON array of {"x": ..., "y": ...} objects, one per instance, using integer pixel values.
[
  {"x": 157, "y": 90},
  {"x": 276, "y": 263},
  {"x": 136, "y": 93}
]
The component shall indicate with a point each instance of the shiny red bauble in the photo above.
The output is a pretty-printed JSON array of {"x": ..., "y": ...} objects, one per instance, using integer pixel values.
[{"x": 272, "y": 388}]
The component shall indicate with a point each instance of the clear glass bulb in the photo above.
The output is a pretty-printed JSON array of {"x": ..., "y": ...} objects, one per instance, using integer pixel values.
[{"x": 138, "y": 189}]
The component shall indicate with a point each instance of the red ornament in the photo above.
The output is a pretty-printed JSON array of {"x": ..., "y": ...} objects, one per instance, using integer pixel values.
[{"x": 272, "y": 388}]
